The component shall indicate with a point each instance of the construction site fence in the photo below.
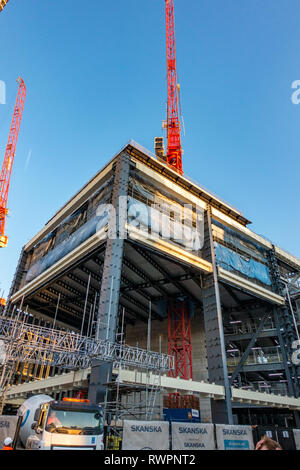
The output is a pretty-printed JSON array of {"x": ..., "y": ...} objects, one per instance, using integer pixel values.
[
  {"x": 168, "y": 435},
  {"x": 9, "y": 427}
]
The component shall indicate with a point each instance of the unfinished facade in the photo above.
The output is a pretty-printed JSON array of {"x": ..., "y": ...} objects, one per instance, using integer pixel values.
[{"x": 215, "y": 291}]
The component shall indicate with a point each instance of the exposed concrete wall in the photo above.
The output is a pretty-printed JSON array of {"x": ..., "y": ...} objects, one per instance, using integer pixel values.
[
  {"x": 137, "y": 335},
  {"x": 199, "y": 347}
]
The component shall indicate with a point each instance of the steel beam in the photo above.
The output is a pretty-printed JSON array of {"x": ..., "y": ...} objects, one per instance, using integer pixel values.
[
  {"x": 146, "y": 255},
  {"x": 239, "y": 367},
  {"x": 247, "y": 336},
  {"x": 143, "y": 275},
  {"x": 237, "y": 300},
  {"x": 268, "y": 367},
  {"x": 160, "y": 282}
]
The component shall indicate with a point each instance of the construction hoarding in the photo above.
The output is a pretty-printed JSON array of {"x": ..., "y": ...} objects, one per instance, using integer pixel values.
[
  {"x": 234, "y": 437},
  {"x": 193, "y": 436},
  {"x": 297, "y": 438},
  {"x": 8, "y": 427},
  {"x": 145, "y": 435}
]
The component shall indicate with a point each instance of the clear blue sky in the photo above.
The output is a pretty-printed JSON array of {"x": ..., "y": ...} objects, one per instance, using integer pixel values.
[{"x": 96, "y": 77}]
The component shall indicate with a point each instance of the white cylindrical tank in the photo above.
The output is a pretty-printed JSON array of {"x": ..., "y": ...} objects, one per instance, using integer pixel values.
[{"x": 27, "y": 411}]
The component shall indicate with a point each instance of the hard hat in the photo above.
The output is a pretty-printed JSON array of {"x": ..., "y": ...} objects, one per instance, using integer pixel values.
[{"x": 8, "y": 441}]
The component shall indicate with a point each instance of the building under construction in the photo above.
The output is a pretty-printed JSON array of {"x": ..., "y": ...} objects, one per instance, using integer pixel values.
[{"x": 144, "y": 256}]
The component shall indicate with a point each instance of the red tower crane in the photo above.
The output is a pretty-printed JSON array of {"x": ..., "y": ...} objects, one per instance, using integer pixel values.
[
  {"x": 179, "y": 326},
  {"x": 9, "y": 158},
  {"x": 174, "y": 151}
]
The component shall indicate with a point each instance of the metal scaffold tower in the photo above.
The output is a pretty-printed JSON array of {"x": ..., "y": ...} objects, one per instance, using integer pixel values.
[
  {"x": 179, "y": 344},
  {"x": 140, "y": 400},
  {"x": 134, "y": 401},
  {"x": 137, "y": 400}
]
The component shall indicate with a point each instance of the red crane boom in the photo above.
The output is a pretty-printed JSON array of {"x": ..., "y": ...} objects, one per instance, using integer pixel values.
[
  {"x": 174, "y": 151},
  {"x": 9, "y": 158}
]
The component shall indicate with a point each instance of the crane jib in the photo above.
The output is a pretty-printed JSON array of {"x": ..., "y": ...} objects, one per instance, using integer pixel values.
[{"x": 174, "y": 150}]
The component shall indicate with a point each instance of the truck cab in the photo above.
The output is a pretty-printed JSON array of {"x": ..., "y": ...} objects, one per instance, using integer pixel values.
[{"x": 70, "y": 424}]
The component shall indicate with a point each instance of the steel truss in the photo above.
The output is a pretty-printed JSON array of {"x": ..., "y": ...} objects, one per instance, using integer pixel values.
[{"x": 33, "y": 344}]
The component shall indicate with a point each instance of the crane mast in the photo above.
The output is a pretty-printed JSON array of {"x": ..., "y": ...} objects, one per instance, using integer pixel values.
[
  {"x": 9, "y": 158},
  {"x": 179, "y": 325},
  {"x": 174, "y": 151}
]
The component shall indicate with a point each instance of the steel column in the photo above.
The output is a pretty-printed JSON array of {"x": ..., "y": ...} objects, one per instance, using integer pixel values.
[
  {"x": 108, "y": 312},
  {"x": 215, "y": 343},
  {"x": 248, "y": 349}
]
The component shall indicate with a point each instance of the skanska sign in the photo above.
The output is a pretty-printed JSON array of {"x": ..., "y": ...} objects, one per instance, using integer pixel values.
[
  {"x": 155, "y": 435},
  {"x": 149, "y": 435},
  {"x": 193, "y": 436},
  {"x": 231, "y": 437}
]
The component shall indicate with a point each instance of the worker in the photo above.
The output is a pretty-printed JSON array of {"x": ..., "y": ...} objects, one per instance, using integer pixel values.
[
  {"x": 53, "y": 419},
  {"x": 267, "y": 444},
  {"x": 7, "y": 444}
]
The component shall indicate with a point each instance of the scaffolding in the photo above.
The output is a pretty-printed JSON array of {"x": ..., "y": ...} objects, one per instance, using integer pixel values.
[
  {"x": 179, "y": 343},
  {"x": 71, "y": 350},
  {"x": 23, "y": 342},
  {"x": 134, "y": 401}
]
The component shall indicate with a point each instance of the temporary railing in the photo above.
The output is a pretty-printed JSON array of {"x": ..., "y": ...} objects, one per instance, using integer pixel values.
[
  {"x": 277, "y": 388},
  {"x": 246, "y": 326},
  {"x": 256, "y": 356}
]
